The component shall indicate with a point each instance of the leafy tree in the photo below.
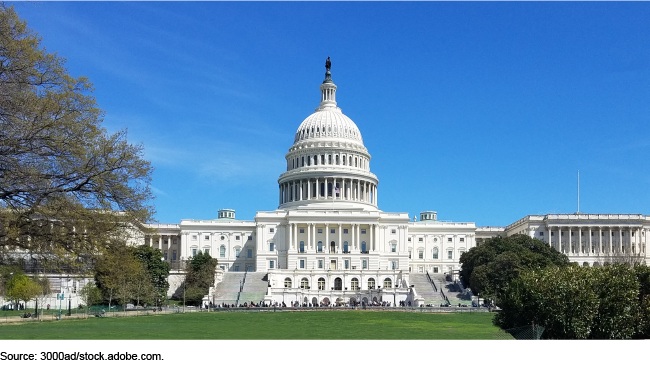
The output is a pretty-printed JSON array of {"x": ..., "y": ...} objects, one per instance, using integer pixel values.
[
  {"x": 115, "y": 273},
  {"x": 90, "y": 295},
  {"x": 21, "y": 288},
  {"x": 62, "y": 176},
  {"x": 199, "y": 277},
  {"x": 157, "y": 268},
  {"x": 489, "y": 268},
  {"x": 577, "y": 302},
  {"x": 142, "y": 288}
]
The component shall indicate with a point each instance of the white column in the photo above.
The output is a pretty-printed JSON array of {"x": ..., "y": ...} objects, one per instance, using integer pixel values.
[
  {"x": 600, "y": 239},
  {"x": 372, "y": 236},
  {"x": 339, "y": 244},
  {"x": 589, "y": 248},
  {"x": 309, "y": 235},
  {"x": 620, "y": 238},
  {"x": 327, "y": 232},
  {"x": 317, "y": 189},
  {"x": 308, "y": 189},
  {"x": 580, "y": 240},
  {"x": 290, "y": 228}
]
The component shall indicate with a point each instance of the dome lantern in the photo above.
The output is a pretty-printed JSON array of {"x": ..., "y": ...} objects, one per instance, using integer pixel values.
[{"x": 328, "y": 90}]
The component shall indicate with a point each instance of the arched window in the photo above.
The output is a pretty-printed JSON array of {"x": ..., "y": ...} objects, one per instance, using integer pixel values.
[
  {"x": 222, "y": 251},
  {"x": 304, "y": 283},
  {"x": 302, "y": 246},
  {"x": 344, "y": 160},
  {"x": 316, "y": 160},
  {"x": 338, "y": 284},
  {"x": 320, "y": 246},
  {"x": 371, "y": 283},
  {"x": 363, "y": 246},
  {"x": 321, "y": 284},
  {"x": 388, "y": 283},
  {"x": 355, "y": 284},
  {"x": 337, "y": 159},
  {"x": 345, "y": 246},
  {"x": 435, "y": 253},
  {"x": 287, "y": 282}
]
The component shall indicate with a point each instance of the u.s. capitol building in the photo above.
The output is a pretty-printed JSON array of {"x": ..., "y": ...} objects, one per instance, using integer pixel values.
[{"x": 328, "y": 238}]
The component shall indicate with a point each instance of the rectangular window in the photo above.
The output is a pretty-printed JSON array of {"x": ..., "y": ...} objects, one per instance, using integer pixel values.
[
  {"x": 347, "y": 264},
  {"x": 271, "y": 230},
  {"x": 206, "y": 251},
  {"x": 394, "y": 265},
  {"x": 237, "y": 252},
  {"x": 250, "y": 238},
  {"x": 345, "y": 230},
  {"x": 420, "y": 239},
  {"x": 320, "y": 230},
  {"x": 165, "y": 255},
  {"x": 541, "y": 234},
  {"x": 552, "y": 234},
  {"x": 236, "y": 238},
  {"x": 435, "y": 270},
  {"x": 173, "y": 255},
  {"x": 409, "y": 239},
  {"x": 271, "y": 246},
  {"x": 450, "y": 254},
  {"x": 462, "y": 239},
  {"x": 250, "y": 253},
  {"x": 364, "y": 264},
  {"x": 271, "y": 264},
  {"x": 302, "y": 230},
  {"x": 207, "y": 238},
  {"x": 449, "y": 239},
  {"x": 236, "y": 268},
  {"x": 393, "y": 248},
  {"x": 194, "y": 252},
  {"x": 420, "y": 254},
  {"x": 363, "y": 231},
  {"x": 333, "y": 231},
  {"x": 194, "y": 237},
  {"x": 393, "y": 231},
  {"x": 320, "y": 264},
  {"x": 302, "y": 264}
]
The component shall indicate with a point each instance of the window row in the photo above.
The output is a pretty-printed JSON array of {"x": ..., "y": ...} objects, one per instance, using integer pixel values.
[
  {"x": 328, "y": 159},
  {"x": 338, "y": 284}
]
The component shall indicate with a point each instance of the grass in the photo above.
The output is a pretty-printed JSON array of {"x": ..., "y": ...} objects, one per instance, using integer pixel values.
[{"x": 314, "y": 325}]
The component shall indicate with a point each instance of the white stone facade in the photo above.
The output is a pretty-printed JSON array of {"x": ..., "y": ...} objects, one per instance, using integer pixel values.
[{"x": 329, "y": 240}]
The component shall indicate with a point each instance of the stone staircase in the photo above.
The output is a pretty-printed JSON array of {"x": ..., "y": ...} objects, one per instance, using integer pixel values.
[
  {"x": 452, "y": 291},
  {"x": 227, "y": 290},
  {"x": 255, "y": 288},
  {"x": 424, "y": 289}
]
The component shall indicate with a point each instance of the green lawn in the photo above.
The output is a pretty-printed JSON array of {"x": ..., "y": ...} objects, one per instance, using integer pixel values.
[{"x": 343, "y": 325}]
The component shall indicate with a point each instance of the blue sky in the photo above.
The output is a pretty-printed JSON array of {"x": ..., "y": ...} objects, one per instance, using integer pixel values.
[{"x": 483, "y": 112}]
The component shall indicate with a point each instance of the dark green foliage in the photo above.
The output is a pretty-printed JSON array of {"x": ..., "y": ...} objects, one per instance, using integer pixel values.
[
  {"x": 489, "y": 268},
  {"x": 156, "y": 267},
  {"x": 199, "y": 277},
  {"x": 578, "y": 302}
]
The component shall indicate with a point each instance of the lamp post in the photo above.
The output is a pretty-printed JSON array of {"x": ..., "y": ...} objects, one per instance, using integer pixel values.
[{"x": 11, "y": 276}]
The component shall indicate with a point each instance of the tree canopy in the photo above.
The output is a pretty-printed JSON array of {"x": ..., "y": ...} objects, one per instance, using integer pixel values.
[
  {"x": 489, "y": 268},
  {"x": 199, "y": 277},
  {"x": 63, "y": 177},
  {"x": 579, "y": 302}
]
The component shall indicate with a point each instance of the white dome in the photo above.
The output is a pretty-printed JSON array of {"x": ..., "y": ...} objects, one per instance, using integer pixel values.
[{"x": 330, "y": 124}]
